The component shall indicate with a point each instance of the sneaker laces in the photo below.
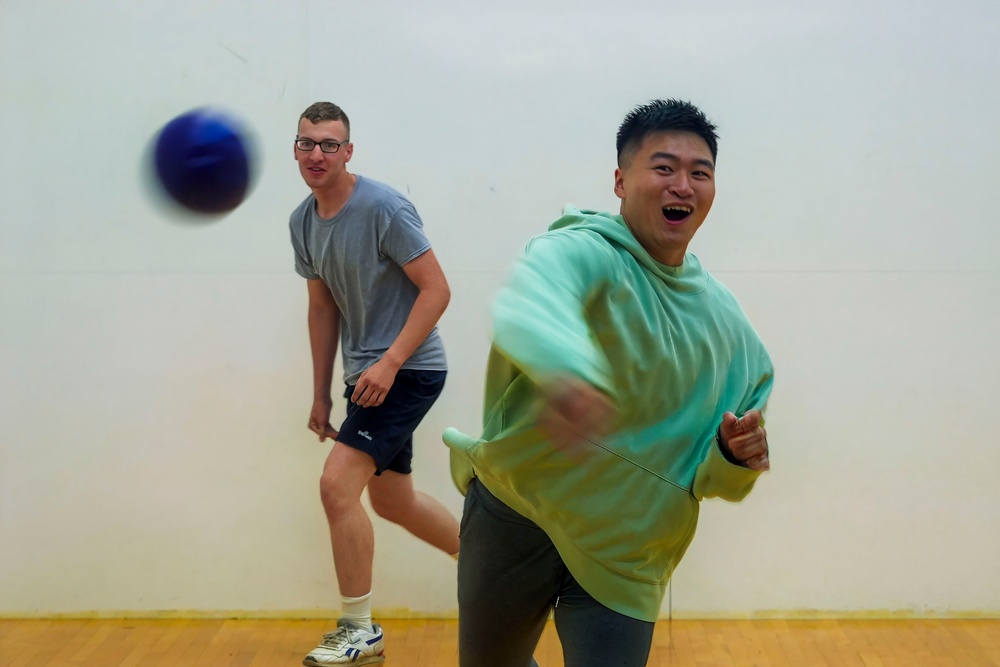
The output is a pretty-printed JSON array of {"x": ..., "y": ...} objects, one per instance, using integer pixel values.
[{"x": 339, "y": 638}]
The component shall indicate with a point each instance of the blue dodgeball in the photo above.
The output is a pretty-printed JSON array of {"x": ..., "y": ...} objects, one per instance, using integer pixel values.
[{"x": 202, "y": 160}]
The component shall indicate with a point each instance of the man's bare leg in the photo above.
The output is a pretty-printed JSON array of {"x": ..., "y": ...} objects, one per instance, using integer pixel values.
[
  {"x": 393, "y": 498},
  {"x": 345, "y": 474}
]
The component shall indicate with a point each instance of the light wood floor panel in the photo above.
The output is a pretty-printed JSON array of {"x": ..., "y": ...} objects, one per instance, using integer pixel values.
[{"x": 429, "y": 643}]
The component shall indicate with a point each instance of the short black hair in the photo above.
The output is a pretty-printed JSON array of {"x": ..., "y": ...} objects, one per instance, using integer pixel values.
[{"x": 664, "y": 116}]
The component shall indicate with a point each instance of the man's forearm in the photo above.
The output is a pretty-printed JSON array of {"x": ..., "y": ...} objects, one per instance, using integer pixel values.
[
  {"x": 427, "y": 310},
  {"x": 324, "y": 327}
]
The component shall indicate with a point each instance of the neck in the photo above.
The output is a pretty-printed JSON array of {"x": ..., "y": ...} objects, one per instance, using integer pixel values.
[{"x": 331, "y": 199}]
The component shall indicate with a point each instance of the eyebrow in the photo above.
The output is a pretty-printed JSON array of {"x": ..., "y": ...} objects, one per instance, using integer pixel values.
[
  {"x": 662, "y": 155},
  {"x": 322, "y": 141}
]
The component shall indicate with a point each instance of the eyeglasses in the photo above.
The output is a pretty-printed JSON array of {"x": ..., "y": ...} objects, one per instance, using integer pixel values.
[{"x": 325, "y": 146}]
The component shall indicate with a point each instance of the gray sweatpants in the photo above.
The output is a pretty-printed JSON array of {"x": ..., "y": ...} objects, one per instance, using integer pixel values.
[{"x": 510, "y": 577}]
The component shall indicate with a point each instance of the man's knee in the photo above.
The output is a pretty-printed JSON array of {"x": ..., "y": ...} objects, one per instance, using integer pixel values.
[
  {"x": 332, "y": 492},
  {"x": 344, "y": 477}
]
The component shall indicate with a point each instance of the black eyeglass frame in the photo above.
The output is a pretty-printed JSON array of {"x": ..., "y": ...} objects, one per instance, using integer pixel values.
[{"x": 322, "y": 145}]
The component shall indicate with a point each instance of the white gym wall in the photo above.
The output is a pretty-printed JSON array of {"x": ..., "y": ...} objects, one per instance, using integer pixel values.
[{"x": 154, "y": 372}]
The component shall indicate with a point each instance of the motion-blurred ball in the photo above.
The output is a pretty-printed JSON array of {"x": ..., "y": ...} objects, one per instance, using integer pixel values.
[{"x": 202, "y": 159}]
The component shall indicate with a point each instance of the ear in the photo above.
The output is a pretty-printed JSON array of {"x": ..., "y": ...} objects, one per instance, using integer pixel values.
[
  {"x": 349, "y": 151},
  {"x": 620, "y": 183}
]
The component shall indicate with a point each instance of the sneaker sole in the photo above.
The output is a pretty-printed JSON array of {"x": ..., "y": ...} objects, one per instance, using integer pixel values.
[{"x": 370, "y": 660}]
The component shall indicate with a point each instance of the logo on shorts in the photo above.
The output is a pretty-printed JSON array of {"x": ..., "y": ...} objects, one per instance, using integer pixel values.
[{"x": 364, "y": 434}]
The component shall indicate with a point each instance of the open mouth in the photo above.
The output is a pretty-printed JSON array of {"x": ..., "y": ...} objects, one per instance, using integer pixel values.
[{"x": 676, "y": 213}]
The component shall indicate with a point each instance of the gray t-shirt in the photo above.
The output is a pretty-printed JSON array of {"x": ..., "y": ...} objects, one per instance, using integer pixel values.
[{"x": 359, "y": 253}]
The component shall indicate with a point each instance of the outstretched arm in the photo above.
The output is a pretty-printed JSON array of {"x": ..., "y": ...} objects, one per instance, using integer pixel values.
[
  {"x": 541, "y": 326},
  {"x": 539, "y": 316},
  {"x": 432, "y": 300}
]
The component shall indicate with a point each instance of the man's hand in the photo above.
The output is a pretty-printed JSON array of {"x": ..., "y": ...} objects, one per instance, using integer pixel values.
[
  {"x": 746, "y": 439},
  {"x": 374, "y": 383},
  {"x": 576, "y": 412},
  {"x": 319, "y": 420}
]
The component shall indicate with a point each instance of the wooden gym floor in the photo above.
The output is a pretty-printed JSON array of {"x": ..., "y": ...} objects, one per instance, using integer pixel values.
[{"x": 433, "y": 643}]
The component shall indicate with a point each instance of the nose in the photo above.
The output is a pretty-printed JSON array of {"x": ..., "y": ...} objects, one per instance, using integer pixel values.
[{"x": 681, "y": 185}]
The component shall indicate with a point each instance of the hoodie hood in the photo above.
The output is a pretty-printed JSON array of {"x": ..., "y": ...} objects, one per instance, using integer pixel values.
[{"x": 688, "y": 277}]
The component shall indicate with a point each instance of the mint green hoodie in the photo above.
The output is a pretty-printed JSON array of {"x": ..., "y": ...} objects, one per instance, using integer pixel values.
[{"x": 673, "y": 349}]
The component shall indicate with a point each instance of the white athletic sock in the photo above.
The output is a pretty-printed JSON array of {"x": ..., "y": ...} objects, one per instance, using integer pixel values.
[{"x": 357, "y": 611}]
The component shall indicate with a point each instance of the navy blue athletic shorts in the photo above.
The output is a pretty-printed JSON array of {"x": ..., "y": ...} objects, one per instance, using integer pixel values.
[{"x": 385, "y": 432}]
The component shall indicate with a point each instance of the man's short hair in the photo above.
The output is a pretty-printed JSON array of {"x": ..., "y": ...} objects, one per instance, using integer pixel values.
[
  {"x": 323, "y": 111},
  {"x": 663, "y": 116}
]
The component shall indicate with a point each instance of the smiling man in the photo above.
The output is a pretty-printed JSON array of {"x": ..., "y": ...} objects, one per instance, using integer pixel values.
[
  {"x": 376, "y": 288},
  {"x": 624, "y": 385}
]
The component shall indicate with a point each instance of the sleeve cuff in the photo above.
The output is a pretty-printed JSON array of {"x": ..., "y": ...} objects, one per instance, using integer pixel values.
[{"x": 718, "y": 477}]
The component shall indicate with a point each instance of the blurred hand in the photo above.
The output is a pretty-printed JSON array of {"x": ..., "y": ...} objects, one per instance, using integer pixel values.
[
  {"x": 319, "y": 420},
  {"x": 746, "y": 439},
  {"x": 575, "y": 413}
]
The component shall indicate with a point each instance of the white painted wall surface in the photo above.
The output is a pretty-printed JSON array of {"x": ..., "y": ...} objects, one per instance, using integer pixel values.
[{"x": 155, "y": 376}]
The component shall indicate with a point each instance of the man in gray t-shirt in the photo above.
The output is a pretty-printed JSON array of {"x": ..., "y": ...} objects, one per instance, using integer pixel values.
[
  {"x": 375, "y": 287},
  {"x": 359, "y": 254}
]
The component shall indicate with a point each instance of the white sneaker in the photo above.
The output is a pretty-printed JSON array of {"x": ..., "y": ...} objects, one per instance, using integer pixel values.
[{"x": 348, "y": 645}]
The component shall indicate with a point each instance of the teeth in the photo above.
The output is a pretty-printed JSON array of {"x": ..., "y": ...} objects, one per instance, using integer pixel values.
[{"x": 686, "y": 209}]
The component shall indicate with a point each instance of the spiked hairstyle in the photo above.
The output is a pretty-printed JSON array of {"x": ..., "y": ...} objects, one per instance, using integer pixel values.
[{"x": 663, "y": 116}]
